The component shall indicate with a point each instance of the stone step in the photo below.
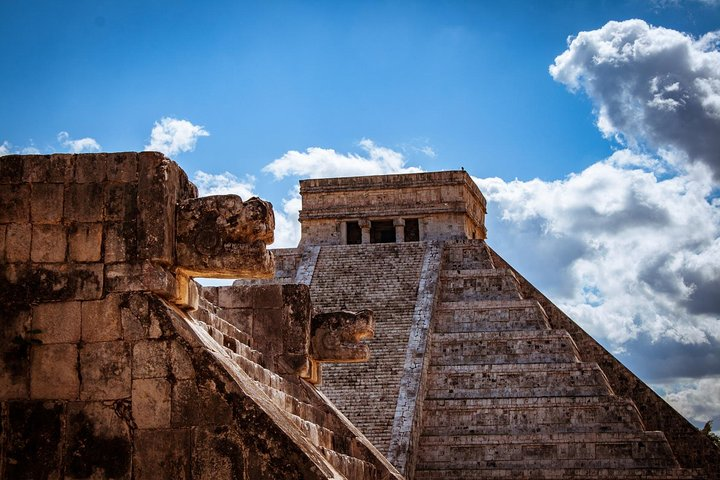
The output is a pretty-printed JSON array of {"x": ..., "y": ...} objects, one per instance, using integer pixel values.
[
  {"x": 475, "y": 255},
  {"x": 319, "y": 436},
  {"x": 525, "y": 416},
  {"x": 554, "y": 473},
  {"x": 557, "y": 450},
  {"x": 475, "y": 348},
  {"x": 489, "y": 284},
  {"x": 516, "y": 381},
  {"x": 351, "y": 467},
  {"x": 489, "y": 316}
]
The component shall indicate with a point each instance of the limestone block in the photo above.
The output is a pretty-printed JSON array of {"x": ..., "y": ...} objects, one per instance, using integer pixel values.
[
  {"x": 121, "y": 201},
  {"x": 49, "y": 168},
  {"x": 11, "y": 169},
  {"x": 235, "y": 297},
  {"x": 89, "y": 168},
  {"x": 18, "y": 239},
  {"x": 120, "y": 242},
  {"x": 35, "y": 430},
  {"x": 48, "y": 243},
  {"x": 120, "y": 167},
  {"x": 14, "y": 203},
  {"x": 3, "y": 231},
  {"x": 101, "y": 320},
  {"x": 54, "y": 372},
  {"x": 98, "y": 442},
  {"x": 46, "y": 205},
  {"x": 58, "y": 322},
  {"x": 15, "y": 342},
  {"x": 217, "y": 454},
  {"x": 151, "y": 403},
  {"x": 162, "y": 454},
  {"x": 85, "y": 242},
  {"x": 145, "y": 277},
  {"x": 64, "y": 281},
  {"x": 105, "y": 369},
  {"x": 157, "y": 199},
  {"x": 84, "y": 202},
  {"x": 180, "y": 363},
  {"x": 137, "y": 322},
  {"x": 150, "y": 359},
  {"x": 222, "y": 236}
]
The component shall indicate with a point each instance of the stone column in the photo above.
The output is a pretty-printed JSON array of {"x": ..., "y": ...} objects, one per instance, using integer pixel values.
[
  {"x": 343, "y": 233},
  {"x": 365, "y": 227},
  {"x": 399, "y": 224}
]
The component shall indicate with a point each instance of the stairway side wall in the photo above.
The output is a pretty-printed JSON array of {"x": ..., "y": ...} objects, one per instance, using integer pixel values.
[{"x": 691, "y": 448}]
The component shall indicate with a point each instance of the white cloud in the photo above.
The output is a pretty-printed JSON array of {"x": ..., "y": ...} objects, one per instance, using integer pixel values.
[
  {"x": 223, "y": 184},
  {"x": 698, "y": 400},
  {"x": 623, "y": 250},
  {"x": 80, "y": 145},
  {"x": 172, "y": 136},
  {"x": 651, "y": 86},
  {"x": 5, "y": 148},
  {"x": 318, "y": 162}
]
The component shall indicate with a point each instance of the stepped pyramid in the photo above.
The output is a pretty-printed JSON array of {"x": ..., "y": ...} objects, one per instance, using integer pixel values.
[
  {"x": 474, "y": 374},
  {"x": 115, "y": 363}
]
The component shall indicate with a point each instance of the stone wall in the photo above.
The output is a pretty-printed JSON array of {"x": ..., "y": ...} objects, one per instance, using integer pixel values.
[{"x": 112, "y": 365}]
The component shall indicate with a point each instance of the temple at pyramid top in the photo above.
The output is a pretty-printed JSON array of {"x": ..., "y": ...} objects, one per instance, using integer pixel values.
[{"x": 391, "y": 209}]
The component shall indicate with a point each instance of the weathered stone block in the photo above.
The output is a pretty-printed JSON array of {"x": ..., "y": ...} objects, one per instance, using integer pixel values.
[
  {"x": 49, "y": 243},
  {"x": 235, "y": 297},
  {"x": 89, "y": 168},
  {"x": 120, "y": 167},
  {"x": 53, "y": 281},
  {"x": 151, "y": 403},
  {"x": 56, "y": 168},
  {"x": 162, "y": 454},
  {"x": 101, "y": 320},
  {"x": 137, "y": 322},
  {"x": 157, "y": 200},
  {"x": 18, "y": 238},
  {"x": 84, "y": 202},
  {"x": 146, "y": 277},
  {"x": 33, "y": 440},
  {"x": 105, "y": 369},
  {"x": 98, "y": 443},
  {"x": 3, "y": 230},
  {"x": 11, "y": 169},
  {"x": 14, "y": 203},
  {"x": 58, "y": 322},
  {"x": 151, "y": 359},
  {"x": 121, "y": 202},
  {"x": 217, "y": 454},
  {"x": 180, "y": 364},
  {"x": 54, "y": 372},
  {"x": 120, "y": 242},
  {"x": 15, "y": 344},
  {"x": 85, "y": 242},
  {"x": 222, "y": 236},
  {"x": 46, "y": 202}
]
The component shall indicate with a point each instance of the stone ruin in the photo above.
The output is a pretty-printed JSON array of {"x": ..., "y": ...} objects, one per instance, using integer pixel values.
[{"x": 392, "y": 343}]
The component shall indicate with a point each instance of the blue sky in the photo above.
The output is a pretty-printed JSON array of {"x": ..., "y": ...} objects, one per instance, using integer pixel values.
[{"x": 606, "y": 163}]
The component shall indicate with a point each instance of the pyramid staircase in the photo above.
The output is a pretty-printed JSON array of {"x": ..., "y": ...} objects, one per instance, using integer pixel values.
[
  {"x": 342, "y": 445},
  {"x": 509, "y": 397}
]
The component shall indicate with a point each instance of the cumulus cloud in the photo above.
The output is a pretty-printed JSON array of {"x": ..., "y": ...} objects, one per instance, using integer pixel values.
[
  {"x": 623, "y": 250},
  {"x": 652, "y": 87},
  {"x": 223, "y": 184},
  {"x": 5, "y": 148},
  {"x": 80, "y": 145},
  {"x": 318, "y": 162},
  {"x": 698, "y": 400},
  {"x": 172, "y": 136}
]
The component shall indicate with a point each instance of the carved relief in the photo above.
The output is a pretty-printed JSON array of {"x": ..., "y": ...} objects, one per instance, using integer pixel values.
[
  {"x": 222, "y": 236},
  {"x": 336, "y": 336}
]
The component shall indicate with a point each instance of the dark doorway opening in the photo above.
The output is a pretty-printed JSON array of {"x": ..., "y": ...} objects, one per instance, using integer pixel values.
[
  {"x": 382, "y": 231},
  {"x": 354, "y": 233},
  {"x": 412, "y": 230}
]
